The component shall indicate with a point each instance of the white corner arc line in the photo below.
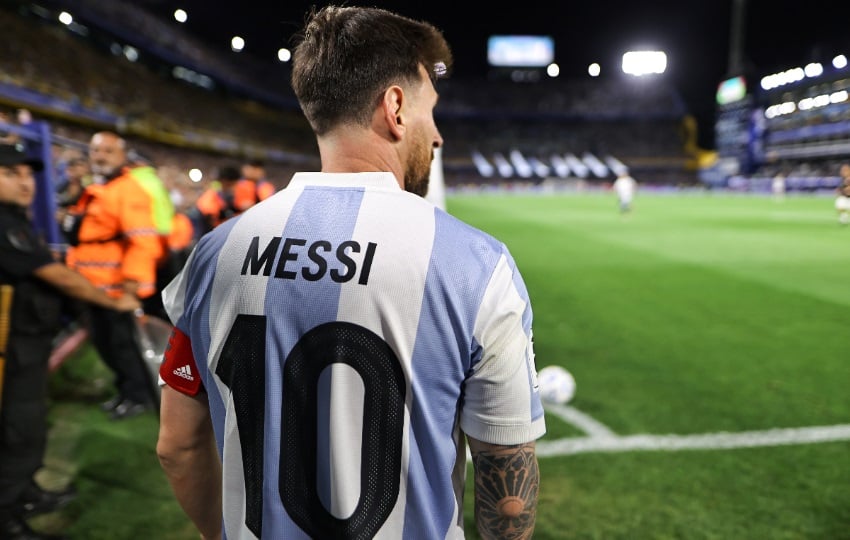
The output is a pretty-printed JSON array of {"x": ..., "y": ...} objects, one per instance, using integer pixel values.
[
  {"x": 602, "y": 439},
  {"x": 583, "y": 421}
]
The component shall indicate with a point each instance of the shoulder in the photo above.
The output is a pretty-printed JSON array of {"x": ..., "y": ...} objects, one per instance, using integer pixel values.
[{"x": 467, "y": 240}]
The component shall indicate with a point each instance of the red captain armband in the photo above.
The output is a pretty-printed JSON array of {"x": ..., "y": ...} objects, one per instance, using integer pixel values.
[{"x": 178, "y": 368}]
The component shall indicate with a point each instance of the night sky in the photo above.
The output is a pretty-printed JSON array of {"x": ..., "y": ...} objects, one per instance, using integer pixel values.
[{"x": 696, "y": 35}]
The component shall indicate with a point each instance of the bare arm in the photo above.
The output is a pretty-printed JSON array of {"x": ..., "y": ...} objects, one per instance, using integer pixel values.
[
  {"x": 507, "y": 481},
  {"x": 76, "y": 286},
  {"x": 188, "y": 455}
]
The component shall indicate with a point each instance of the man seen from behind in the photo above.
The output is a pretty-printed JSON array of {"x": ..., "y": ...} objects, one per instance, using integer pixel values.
[{"x": 338, "y": 346}]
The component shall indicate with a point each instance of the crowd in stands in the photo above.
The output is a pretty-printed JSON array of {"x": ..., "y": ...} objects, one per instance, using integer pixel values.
[
  {"x": 165, "y": 37},
  {"x": 630, "y": 119},
  {"x": 43, "y": 55},
  {"x": 564, "y": 99}
]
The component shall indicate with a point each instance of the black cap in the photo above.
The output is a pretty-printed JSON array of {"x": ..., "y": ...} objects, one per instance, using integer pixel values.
[{"x": 13, "y": 155}]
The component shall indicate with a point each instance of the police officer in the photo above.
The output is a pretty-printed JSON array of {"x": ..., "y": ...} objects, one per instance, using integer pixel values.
[{"x": 40, "y": 284}]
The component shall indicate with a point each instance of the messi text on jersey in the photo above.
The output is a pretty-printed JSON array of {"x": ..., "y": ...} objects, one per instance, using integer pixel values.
[{"x": 319, "y": 253}]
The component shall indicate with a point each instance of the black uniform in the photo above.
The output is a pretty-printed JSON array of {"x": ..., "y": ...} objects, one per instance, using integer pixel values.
[{"x": 36, "y": 317}]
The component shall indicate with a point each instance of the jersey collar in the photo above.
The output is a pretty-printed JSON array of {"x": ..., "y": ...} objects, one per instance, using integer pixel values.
[{"x": 383, "y": 180}]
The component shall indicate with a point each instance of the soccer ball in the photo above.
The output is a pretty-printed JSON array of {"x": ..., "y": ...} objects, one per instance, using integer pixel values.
[{"x": 556, "y": 385}]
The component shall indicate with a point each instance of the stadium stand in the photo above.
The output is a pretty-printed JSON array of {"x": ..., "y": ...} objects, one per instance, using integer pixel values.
[
  {"x": 633, "y": 124},
  {"x": 798, "y": 128},
  {"x": 184, "y": 105},
  {"x": 82, "y": 80}
]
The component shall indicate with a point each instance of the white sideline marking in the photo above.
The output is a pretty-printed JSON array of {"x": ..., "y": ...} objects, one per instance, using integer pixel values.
[{"x": 602, "y": 439}]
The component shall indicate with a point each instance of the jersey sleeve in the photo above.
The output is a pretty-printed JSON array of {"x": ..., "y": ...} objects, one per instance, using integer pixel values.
[
  {"x": 501, "y": 399},
  {"x": 178, "y": 369}
]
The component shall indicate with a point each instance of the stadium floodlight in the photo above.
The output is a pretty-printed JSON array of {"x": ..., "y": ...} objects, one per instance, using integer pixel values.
[
  {"x": 237, "y": 43},
  {"x": 815, "y": 69},
  {"x": 593, "y": 69},
  {"x": 839, "y": 62},
  {"x": 553, "y": 70},
  {"x": 639, "y": 63},
  {"x": 195, "y": 175},
  {"x": 180, "y": 15},
  {"x": 130, "y": 53},
  {"x": 284, "y": 54},
  {"x": 66, "y": 18}
]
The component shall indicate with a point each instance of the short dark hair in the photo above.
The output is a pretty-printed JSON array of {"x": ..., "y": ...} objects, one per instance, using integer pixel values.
[
  {"x": 229, "y": 173},
  {"x": 256, "y": 162},
  {"x": 346, "y": 56}
]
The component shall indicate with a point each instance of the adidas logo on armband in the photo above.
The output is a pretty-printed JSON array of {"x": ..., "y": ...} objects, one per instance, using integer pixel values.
[{"x": 184, "y": 372}]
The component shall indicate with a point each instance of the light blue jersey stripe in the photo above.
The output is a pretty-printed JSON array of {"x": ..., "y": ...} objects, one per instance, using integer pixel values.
[{"x": 441, "y": 359}]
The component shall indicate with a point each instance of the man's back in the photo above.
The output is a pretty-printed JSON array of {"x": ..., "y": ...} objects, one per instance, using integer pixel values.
[{"x": 350, "y": 332}]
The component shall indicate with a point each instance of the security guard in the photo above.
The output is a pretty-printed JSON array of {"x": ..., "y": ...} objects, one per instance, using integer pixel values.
[
  {"x": 119, "y": 245},
  {"x": 40, "y": 284}
]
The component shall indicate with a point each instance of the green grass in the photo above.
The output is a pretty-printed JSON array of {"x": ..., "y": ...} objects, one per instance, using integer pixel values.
[{"x": 695, "y": 314}]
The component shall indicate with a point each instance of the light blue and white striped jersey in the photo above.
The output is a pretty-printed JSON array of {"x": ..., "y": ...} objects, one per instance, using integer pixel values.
[{"x": 348, "y": 334}]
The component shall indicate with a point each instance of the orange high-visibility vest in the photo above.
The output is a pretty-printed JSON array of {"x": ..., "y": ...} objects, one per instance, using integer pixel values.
[
  {"x": 247, "y": 193},
  {"x": 118, "y": 237},
  {"x": 213, "y": 203},
  {"x": 182, "y": 232}
]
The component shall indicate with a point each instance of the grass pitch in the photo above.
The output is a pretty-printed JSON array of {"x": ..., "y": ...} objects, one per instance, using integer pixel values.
[{"x": 696, "y": 316}]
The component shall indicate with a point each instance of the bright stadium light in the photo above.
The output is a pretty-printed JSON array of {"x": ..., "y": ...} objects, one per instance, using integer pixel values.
[
  {"x": 839, "y": 62},
  {"x": 237, "y": 43},
  {"x": 66, "y": 18},
  {"x": 553, "y": 70},
  {"x": 195, "y": 175},
  {"x": 131, "y": 53},
  {"x": 640, "y": 63},
  {"x": 180, "y": 15},
  {"x": 815, "y": 69},
  {"x": 284, "y": 54},
  {"x": 593, "y": 69}
]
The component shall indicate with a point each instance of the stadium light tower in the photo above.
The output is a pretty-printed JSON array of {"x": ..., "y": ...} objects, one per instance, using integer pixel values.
[{"x": 736, "y": 38}]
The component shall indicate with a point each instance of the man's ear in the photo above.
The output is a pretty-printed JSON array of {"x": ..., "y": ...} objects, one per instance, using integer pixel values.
[{"x": 391, "y": 104}]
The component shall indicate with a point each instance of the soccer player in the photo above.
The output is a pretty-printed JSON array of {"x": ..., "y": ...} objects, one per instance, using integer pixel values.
[
  {"x": 337, "y": 346},
  {"x": 842, "y": 198},
  {"x": 625, "y": 187}
]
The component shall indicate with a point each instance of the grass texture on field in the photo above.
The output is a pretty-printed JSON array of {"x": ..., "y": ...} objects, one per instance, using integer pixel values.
[{"x": 694, "y": 314}]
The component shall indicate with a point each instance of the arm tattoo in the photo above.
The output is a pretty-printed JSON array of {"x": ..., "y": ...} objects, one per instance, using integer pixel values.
[{"x": 506, "y": 486}]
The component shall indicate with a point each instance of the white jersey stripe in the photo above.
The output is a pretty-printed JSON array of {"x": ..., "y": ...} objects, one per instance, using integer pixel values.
[{"x": 390, "y": 306}]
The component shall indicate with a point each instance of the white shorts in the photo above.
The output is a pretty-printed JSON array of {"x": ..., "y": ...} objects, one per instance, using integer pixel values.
[{"x": 842, "y": 203}]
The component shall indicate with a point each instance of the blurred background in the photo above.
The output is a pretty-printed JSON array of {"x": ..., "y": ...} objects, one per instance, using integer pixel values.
[{"x": 712, "y": 94}]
